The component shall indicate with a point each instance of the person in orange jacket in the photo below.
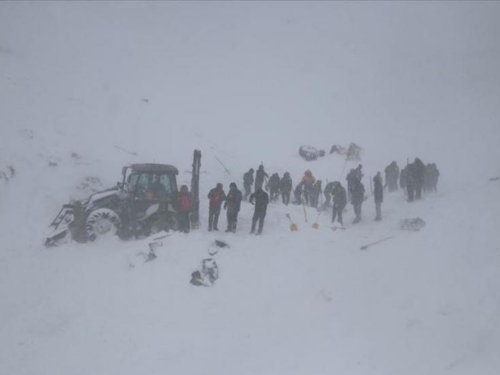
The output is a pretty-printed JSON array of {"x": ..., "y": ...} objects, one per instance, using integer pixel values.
[{"x": 308, "y": 181}]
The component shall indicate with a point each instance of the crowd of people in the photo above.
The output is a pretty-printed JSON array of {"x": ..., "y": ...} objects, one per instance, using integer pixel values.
[{"x": 414, "y": 179}]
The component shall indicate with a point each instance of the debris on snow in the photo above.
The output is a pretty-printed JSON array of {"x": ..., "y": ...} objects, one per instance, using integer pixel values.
[
  {"x": 207, "y": 274},
  {"x": 414, "y": 224}
]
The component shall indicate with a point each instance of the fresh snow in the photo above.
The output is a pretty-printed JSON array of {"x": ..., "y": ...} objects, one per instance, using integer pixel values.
[{"x": 89, "y": 88}]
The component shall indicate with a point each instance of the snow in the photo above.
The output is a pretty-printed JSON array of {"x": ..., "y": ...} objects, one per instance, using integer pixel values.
[{"x": 85, "y": 86}]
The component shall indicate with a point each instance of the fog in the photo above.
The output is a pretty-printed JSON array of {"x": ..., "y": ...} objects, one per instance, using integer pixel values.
[{"x": 250, "y": 82}]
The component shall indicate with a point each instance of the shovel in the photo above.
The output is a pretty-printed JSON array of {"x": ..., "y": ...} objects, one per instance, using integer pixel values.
[
  {"x": 293, "y": 226},
  {"x": 316, "y": 224}
]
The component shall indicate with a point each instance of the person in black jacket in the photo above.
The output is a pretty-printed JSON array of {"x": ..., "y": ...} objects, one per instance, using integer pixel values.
[
  {"x": 247, "y": 183},
  {"x": 339, "y": 201},
  {"x": 232, "y": 205},
  {"x": 378, "y": 189},
  {"x": 259, "y": 177},
  {"x": 274, "y": 187},
  {"x": 419, "y": 175},
  {"x": 328, "y": 191},
  {"x": 261, "y": 199},
  {"x": 286, "y": 188},
  {"x": 358, "y": 194}
]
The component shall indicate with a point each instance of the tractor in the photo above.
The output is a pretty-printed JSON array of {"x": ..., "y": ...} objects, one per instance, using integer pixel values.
[{"x": 144, "y": 203}]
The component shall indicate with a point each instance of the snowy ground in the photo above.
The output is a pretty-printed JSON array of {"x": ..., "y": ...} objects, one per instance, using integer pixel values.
[{"x": 307, "y": 302}]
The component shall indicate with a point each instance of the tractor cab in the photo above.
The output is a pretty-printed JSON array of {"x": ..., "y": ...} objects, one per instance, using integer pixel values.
[{"x": 150, "y": 186}]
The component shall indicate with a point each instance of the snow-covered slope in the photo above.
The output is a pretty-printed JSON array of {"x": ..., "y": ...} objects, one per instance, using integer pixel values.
[{"x": 83, "y": 85}]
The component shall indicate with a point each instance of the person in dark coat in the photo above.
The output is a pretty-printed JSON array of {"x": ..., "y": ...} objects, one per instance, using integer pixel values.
[
  {"x": 410, "y": 182},
  {"x": 247, "y": 183},
  {"x": 358, "y": 172},
  {"x": 328, "y": 194},
  {"x": 339, "y": 201},
  {"x": 184, "y": 204},
  {"x": 286, "y": 188},
  {"x": 274, "y": 187},
  {"x": 392, "y": 176},
  {"x": 297, "y": 193},
  {"x": 403, "y": 178},
  {"x": 316, "y": 193},
  {"x": 358, "y": 195},
  {"x": 261, "y": 199},
  {"x": 419, "y": 176},
  {"x": 434, "y": 177},
  {"x": 216, "y": 196},
  {"x": 378, "y": 189},
  {"x": 350, "y": 178},
  {"x": 259, "y": 177},
  {"x": 232, "y": 205}
]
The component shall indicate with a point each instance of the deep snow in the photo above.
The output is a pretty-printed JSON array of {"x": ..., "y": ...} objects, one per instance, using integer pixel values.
[{"x": 249, "y": 83}]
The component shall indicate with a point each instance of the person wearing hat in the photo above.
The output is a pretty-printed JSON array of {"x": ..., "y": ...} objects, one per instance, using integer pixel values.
[{"x": 232, "y": 205}]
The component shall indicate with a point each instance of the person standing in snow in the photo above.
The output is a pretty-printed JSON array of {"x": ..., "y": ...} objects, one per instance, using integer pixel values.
[
  {"x": 328, "y": 194},
  {"x": 247, "y": 183},
  {"x": 419, "y": 176},
  {"x": 378, "y": 189},
  {"x": 308, "y": 181},
  {"x": 316, "y": 193},
  {"x": 184, "y": 204},
  {"x": 261, "y": 199},
  {"x": 350, "y": 178},
  {"x": 274, "y": 187},
  {"x": 216, "y": 196},
  {"x": 339, "y": 201},
  {"x": 297, "y": 193},
  {"x": 259, "y": 177},
  {"x": 410, "y": 181},
  {"x": 286, "y": 188},
  {"x": 392, "y": 176},
  {"x": 232, "y": 205},
  {"x": 358, "y": 195}
]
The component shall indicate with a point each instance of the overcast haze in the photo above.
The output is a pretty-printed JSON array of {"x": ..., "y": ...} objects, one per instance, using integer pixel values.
[{"x": 89, "y": 87}]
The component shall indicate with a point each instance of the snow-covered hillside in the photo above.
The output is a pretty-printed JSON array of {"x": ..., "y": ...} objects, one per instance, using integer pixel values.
[{"x": 88, "y": 88}]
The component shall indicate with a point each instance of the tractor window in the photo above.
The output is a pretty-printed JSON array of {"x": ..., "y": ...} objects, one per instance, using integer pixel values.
[
  {"x": 143, "y": 185},
  {"x": 168, "y": 183}
]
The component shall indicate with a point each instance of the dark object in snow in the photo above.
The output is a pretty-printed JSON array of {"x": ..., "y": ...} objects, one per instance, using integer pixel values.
[
  {"x": 495, "y": 178},
  {"x": 364, "y": 247},
  {"x": 336, "y": 149},
  {"x": 145, "y": 202},
  {"x": 152, "y": 255},
  {"x": 219, "y": 243},
  {"x": 75, "y": 156},
  {"x": 310, "y": 153},
  {"x": 207, "y": 274},
  {"x": 414, "y": 224},
  {"x": 52, "y": 163},
  {"x": 145, "y": 100},
  {"x": 354, "y": 152}
]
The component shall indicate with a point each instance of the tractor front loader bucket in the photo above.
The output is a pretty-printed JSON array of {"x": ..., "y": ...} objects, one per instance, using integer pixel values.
[{"x": 60, "y": 226}]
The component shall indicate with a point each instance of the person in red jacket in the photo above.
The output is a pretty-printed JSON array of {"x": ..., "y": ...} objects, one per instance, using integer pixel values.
[
  {"x": 184, "y": 204},
  {"x": 308, "y": 180},
  {"x": 216, "y": 196}
]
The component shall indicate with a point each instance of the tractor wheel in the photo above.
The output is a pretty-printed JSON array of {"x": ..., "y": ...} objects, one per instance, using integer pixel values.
[
  {"x": 172, "y": 223},
  {"x": 102, "y": 222}
]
